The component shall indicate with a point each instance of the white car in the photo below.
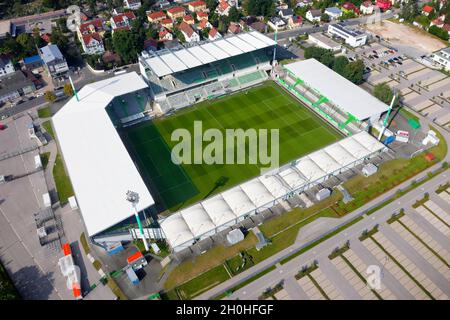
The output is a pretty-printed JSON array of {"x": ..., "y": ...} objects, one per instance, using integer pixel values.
[{"x": 39, "y": 94}]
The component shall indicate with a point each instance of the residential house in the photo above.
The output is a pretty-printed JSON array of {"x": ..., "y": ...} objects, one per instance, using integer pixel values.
[
  {"x": 333, "y": 12},
  {"x": 276, "y": 23},
  {"x": 189, "y": 19},
  {"x": 303, "y": 3},
  {"x": 366, "y": 7},
  {"x": 122, "y": 21},
  {"x": 156, "y": 17},
  {"x": 259, "y": 26},
  {"x": 234, "y": 28},
  {"x": 132, "y": 4},
  {"x": 313, "y": 15},
  {"x": 223, "y": 8},
  {"x": 165, "y": 35},
  {"x": 6, "y": 66},
  {"x": 189, "y": 34},
  {"x": 286, "y": 13},
  {"x": 7, "y": 27},
  {"x": 150, "y": 45},
  {"x": 167, "y": 23},
  {"x": 282, "y": 6},
  {"x": 204, "y": 24},
  {"x": 176, "y": 12},
  {"x": 295, "y": 22},
  {"x": 54, "y": 62},
  {"x": 93, "y": 26},
  {"x": 383, "y": 5},
  {"x": 214, "y": 34},
  {"x": 446, "y": 27},
  {"x": 427, "y": 9},
  {"x": 196, "y": 6},
  {"x": 92, "y": 43},
  {"x": 16, "y": 84},
  {"x": 350, "y": 7},
  {"x": 439, "y": 21},
  {"x": 32, "y": 63},
  {"x": 202, "y": 15}
]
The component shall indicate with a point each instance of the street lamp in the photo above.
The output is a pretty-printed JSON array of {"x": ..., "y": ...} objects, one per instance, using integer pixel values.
[{"x": 133, "y": 198}]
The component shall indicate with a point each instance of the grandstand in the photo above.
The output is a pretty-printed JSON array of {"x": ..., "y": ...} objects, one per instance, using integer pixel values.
[
  {"x": 186, "y": 75},
  {"x": 228, "y": 208},
  {"x": 342, "y": 103}
]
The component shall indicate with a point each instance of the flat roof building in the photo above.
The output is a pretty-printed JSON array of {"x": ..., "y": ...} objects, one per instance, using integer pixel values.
[
  {"x": 352, "y": 37},
  {"x": 100, "y": 167},
  {"x": 324, "y": 42}
]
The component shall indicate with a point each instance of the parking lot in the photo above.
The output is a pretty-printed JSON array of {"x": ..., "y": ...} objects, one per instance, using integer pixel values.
[
  {"x": 410, "y": 250},
  {"x": 421, "y": 88}
]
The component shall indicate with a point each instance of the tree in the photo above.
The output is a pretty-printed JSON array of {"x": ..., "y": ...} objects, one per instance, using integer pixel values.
[
  {"x": 126, "y": 45},
  {"x": 68, "y": 90},
  {"x": 441, "y": 33},
  {"x": 410, "y": 10},
  {"x": 383, "y": 92},
  {"x": 324, "y": 17},
  {"x": 234, "y": 14},
  {"x": 340, "y": 63},
  {"x": 264, "y": 8},
  {"x": 354, "y": 71},
  {"x": 49, "y": 96}
]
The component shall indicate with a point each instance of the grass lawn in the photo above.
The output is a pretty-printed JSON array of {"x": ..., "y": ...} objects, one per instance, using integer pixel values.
[
  {"x": 62, "y": 181},
  {"x": 202, "y": 283},
  {"x": 44, "y": 112},
  {"x": 49, "y": 128},
  {"x": 210, "y": 259},
  {"x": 263, "y": 107},
  {"x": 44, "y": 159}
]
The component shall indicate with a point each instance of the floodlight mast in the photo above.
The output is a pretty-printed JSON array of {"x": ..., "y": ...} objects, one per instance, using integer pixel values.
[
  {"x": 387, "y": 116},
  {"x": 133, "y": 198}
]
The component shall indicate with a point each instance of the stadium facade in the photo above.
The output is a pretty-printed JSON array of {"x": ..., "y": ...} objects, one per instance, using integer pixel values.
[{"x": 102, "y": 170}]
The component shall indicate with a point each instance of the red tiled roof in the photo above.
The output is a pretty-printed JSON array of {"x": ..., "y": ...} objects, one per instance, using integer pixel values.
[
  {"x": 156, "y": 15},
  {"x": 175, "y": 10},
  {"x": 97, "y": 24},
  {"x": 202, "y": 24},
  {"x": 197, "y": 3},
  {"x": 297, "y": 19},
  {"x": 186, "y": 28},
  {"x": 427, "y": 8},
  {"x": 349, "y": 6},
  {"x": 212, "y": 33},
  {"x": 87, "y": 38},
  {"x": 223, "y": 5},
  {"x": 202, "y": 14},
  {"x": 446, "y": 27},
  {"x": 367, "y": 4},
  {"x": 119, "y": 18},
  {"x": 234, "y": 28},
  {"x": 166, "y": 21},
  {"x": 163, "y": 32},
  {"x": 188, "y": 18}
]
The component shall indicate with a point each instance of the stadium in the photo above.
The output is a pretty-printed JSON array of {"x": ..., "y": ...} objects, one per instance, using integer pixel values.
[{"x": 115, "y": 137}]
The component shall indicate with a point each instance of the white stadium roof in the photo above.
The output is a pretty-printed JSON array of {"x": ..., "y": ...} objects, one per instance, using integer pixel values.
[
  {"x": 165, "y": 62},
  {"x": 227, "y": 207},
  {"x": 99, "y": 166},
  {"x": 340, "y": 91}
]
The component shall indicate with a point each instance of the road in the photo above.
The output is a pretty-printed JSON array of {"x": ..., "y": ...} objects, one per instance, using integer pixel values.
[
  {"x": 308, "y": 28},
  {"x": 311, "y": 232}
]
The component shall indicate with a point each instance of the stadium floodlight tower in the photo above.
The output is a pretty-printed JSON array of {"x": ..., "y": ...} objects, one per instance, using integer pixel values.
[
  {"x": 387, "y": 116},
  {"x": 133, "y": 198}
]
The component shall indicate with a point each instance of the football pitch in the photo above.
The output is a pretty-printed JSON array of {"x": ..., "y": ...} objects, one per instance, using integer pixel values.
[{"x": 263, "y": 107}]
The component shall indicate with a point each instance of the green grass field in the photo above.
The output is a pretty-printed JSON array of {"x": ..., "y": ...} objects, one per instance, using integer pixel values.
[{"x": 263, "y": 107}]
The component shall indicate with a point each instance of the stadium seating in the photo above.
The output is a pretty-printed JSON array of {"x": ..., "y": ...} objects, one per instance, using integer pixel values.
[
  {"x": 242, "y": 61},
  {"x": 251, "y": 77}
]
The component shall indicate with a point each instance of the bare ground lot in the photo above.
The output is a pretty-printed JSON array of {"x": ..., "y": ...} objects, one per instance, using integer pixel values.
[{"x": 406, "y": 35}]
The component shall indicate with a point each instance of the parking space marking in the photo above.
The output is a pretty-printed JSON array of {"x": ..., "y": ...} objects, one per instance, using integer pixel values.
[
  {"x": 410, "y": 266},
  {"x": 354, "y": 280},
  {"x": 395, "y": 270},
  {"x": 326, "y": 285},
  {"x": 359, "y": 265},
  {"x": 438, "y": 224},
  {"x": 421, "y": 249},
  {"x": 310, "y": 288}
]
